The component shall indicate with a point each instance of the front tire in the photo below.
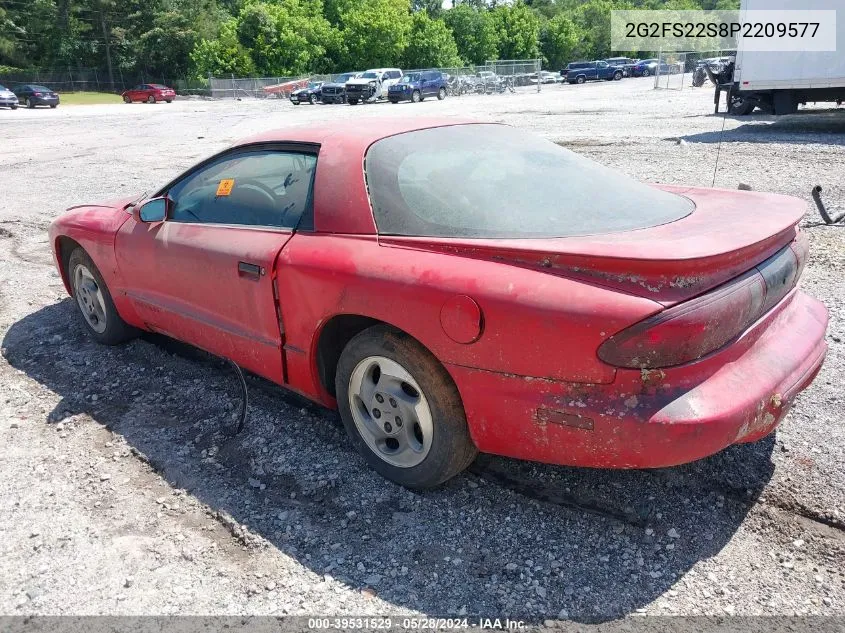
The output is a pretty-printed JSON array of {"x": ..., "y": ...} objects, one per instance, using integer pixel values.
[
  {"x": 646, "y": 72},
  {"x": 312, "y": 100},
  {"x": 441, "y": 94},
  {"x": 617, "y": 76},
  {"x": 580, "y": 80},
  {"x": 151, "y": 99},
  {"x": 127, "y": 100},
  {"x": 94, "y": 301},
  {"x": 401, "y": 409},
  {"x": 352, "y": 101},
  {"x": 14, "y": 107},
  {"x": 416, "y": 97}
]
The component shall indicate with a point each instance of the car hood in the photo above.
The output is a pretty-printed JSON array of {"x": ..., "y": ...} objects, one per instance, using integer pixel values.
[
  {"x": 115, "y": 204},
  {"x": 728, "y": 233},
  {"x": 360, "y": 81}
]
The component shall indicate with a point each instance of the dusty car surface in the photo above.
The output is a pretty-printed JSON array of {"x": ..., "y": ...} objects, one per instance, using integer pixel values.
[{"x": 464, "y": 292}]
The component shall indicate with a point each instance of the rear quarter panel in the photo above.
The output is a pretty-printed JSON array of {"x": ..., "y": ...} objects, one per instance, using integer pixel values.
[{"x": 533, "y": 324}]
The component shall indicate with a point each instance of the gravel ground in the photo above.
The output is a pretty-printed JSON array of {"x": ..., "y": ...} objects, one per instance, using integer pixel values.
[{"x": 122, "y": 493}]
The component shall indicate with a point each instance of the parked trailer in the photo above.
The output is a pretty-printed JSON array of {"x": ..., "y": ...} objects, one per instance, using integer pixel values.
[{"x": 779, "y": 81}]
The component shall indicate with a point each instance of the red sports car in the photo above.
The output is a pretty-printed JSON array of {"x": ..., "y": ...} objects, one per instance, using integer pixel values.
[
  {"x": 150, "y": 93},
  {"x": 455, "y": 287}
]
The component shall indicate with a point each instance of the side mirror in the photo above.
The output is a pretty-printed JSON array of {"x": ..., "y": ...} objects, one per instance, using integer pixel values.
[{"x": 154, "y": 210}]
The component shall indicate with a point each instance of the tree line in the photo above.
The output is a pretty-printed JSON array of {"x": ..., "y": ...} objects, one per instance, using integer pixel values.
[{"x": 198, "y": 38}]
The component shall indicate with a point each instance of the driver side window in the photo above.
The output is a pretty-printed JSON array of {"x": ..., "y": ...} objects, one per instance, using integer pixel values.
[{"x": 254, "y": 188}]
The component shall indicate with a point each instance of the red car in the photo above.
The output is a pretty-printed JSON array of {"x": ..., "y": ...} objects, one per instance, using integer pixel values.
[
  {"x": 454, "y": 287},
  {"x": 150, "y": 93}
]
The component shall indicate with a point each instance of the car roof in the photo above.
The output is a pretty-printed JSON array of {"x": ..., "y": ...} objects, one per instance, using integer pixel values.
[{"x": 341, "y": 203}]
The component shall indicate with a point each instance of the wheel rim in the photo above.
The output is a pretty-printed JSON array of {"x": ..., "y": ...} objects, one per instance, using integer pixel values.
[
  {"x": 90, "y": 298},
  {"x": 390, "y": 411}
]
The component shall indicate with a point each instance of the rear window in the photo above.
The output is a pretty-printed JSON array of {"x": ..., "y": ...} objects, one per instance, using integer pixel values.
[{"x": 495, "y": 181}]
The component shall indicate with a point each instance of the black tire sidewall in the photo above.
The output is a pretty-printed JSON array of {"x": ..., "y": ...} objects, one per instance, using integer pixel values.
[
  {"x": 117, "y": 330},
  {"x": 452, "y": 449},
  {"x": 441, "y": 94}
]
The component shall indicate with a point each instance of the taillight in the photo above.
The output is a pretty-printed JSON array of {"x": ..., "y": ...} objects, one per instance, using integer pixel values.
[
  {"x": 694, "y": 328},
  {"x": 37, "y": 94}
]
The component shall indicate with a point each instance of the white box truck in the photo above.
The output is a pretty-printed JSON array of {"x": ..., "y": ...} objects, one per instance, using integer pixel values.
[{"x": 778, "y": 81}]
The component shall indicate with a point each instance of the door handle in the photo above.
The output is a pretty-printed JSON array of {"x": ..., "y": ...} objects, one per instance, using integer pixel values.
[{"x": 251, "y": 271}]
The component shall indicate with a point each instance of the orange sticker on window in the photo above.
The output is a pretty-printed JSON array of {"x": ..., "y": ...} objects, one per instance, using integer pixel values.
[{"x": 225, "y": 186}]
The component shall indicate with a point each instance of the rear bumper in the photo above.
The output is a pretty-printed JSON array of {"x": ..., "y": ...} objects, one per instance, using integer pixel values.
[{"x": 658, "y": 418}]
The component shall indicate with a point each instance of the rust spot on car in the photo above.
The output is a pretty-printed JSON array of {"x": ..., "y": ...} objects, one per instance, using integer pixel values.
[
  {"x": 652, "y": 376},
  {"x": 776, "y": 400},
  {"x": 550, "y": 416}
]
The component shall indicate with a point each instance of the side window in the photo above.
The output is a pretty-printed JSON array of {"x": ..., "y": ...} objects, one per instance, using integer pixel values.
[
  {"x": 253, "y": 188},
  {"x": 394, "y": 74}
]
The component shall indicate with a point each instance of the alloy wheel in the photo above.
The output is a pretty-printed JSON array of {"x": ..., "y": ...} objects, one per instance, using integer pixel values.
[{"x": 390, "y": 411}]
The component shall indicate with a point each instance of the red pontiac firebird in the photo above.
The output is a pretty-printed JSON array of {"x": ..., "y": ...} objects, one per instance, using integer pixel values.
[{"x": 455, "y": 287}]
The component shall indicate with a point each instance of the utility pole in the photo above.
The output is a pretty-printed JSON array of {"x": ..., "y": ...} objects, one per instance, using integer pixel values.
[{"x": 106, "y": 43}]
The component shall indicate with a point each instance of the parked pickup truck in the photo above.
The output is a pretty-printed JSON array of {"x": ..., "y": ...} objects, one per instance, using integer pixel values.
[
  {"x": 371, "y": 85},
  {"x": 579, "y": 72}
]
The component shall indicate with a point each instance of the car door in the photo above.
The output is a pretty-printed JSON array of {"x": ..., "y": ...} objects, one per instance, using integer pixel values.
[
  {"x": 428, "y": 84},
  {"x": 206, "y": 275},
  {"x": 602, "y": 70}
]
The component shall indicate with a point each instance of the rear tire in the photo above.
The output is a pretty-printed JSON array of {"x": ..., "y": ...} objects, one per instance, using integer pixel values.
[
  {"x": 94, "y": 301},
  {"x": 127, "y": 100},
  {"x": 30, "y": 103},
  {"x": 151, "y": 99},
  {"x": 54, "y": 106},
  {"x": 646, "y": 72},
  {"x": 168, "y": 100},
  {"x": 580, "y": 80},
  {"x": 441, "y": 94},
  {"x": 421, "y": 438},
  {"x": 784, "y": 102},
  {"x": 14, "y": 107},
  {"x": 617, "y": 76}
]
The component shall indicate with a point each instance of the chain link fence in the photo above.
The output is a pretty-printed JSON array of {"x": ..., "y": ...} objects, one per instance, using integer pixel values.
[
  {"x": 494, "y": 77},
  {"x": 97, "y": 80},
  {"x": 676, "y": 71}
]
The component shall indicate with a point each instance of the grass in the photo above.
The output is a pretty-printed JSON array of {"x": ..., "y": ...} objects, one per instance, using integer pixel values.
[{"x": 88, "y": 98}]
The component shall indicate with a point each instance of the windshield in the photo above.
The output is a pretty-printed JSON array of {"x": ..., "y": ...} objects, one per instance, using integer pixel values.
[
  {"x": 315, "y": 84},
  {"x": 2, "y": 88},
  {"x": 495, "y": 181},
  {"x": 409, "y": 78},
  {"x": 369, "y": 76}
]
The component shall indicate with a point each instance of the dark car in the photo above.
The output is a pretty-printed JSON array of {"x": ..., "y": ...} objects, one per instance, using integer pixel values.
[
  {"x": 648, "y": 67},
  {"x": 579, "y": 72},
  {"x": 149, "y": 93},
  {"x": 625, "y": 63},
  {"x": 417, "y": 86},
  {"x": 8, "y": 98},
  {"x": 335, "y": 91},
  {"x": 33, "y": 95},
  {"x": 311, "y": 93}
]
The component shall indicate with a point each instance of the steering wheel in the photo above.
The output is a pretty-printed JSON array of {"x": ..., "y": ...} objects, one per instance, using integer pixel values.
[{"x": 257, "y": 184}]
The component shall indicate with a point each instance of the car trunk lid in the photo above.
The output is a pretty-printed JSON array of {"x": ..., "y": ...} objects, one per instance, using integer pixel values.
[{"x": 728, "y": 234}]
